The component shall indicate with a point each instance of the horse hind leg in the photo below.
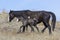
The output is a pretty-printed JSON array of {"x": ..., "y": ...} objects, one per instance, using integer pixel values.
[
  {"x": 44, "y": 27},
  {"x": 49, "y": 29},
  {"x": 47, "y": 26}
]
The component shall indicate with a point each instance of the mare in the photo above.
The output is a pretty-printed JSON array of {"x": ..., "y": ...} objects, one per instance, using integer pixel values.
[{"x": 40, "y": 16}]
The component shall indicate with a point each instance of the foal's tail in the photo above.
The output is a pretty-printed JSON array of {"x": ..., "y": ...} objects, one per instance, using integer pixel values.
[{"x": 53, "y": 20}]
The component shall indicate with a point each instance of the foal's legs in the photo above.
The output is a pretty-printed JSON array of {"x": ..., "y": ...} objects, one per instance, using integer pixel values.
[
  {"x": 26, "y": 27},
  {"x": 32, "y": 29},
  {"x": 36, "y": 27},
  {"x": 20, "y": 29}
]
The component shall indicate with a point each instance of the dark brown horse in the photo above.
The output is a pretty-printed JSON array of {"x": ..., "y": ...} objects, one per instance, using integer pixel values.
[{"x": 41, "y": 16}]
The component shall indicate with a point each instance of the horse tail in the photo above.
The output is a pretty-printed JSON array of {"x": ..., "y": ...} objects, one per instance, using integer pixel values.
[{"x": 53, "y": 20}]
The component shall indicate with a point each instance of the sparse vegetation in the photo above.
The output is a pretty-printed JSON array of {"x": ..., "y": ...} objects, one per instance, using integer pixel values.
[{"x": 8, "y": 31}]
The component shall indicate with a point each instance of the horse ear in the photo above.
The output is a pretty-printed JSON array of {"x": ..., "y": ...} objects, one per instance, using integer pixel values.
[{"x": 10, "y": 10}]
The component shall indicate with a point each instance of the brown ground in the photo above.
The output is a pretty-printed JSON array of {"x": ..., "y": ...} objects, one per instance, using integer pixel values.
[{"x": 8, "y": 31}]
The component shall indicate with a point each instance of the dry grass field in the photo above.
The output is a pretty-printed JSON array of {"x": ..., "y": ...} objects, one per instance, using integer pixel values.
[{"x": 8, "y": 31}]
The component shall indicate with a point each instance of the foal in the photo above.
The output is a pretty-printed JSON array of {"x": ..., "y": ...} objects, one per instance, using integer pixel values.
[{"x": 31, "y": 22}]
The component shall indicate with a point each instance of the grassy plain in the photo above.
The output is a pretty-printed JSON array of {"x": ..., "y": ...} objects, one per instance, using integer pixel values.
[{"x": 8, "y": 31}]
